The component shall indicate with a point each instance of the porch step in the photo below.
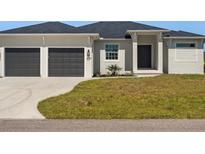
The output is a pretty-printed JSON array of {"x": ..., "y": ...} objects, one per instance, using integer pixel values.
[{"x": 147, "y": 74}]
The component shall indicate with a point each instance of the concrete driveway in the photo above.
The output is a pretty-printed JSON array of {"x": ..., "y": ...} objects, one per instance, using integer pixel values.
[{"x": 19, "y": 96}]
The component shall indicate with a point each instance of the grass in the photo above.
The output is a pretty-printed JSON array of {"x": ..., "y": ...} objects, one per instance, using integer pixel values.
[{"x": 162, "y": 97}]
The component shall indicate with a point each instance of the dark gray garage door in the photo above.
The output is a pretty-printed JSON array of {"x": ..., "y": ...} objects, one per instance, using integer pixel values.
[
  {"x": 22, "y": 61},
  {"x": 66, "y": 62}
]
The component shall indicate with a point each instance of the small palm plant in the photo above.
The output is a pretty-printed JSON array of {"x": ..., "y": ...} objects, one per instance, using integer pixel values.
[{"x": 114, "y": 69}]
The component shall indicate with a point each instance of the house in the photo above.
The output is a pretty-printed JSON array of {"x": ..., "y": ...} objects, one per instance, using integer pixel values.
[{"x": 55, "y": 49}]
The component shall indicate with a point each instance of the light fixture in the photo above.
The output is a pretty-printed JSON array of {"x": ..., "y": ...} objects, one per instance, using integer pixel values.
[{"x": 88, "y": 54}]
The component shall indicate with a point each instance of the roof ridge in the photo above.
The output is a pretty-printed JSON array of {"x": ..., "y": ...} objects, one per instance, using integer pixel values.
[
  {"x": 63, "y": 23},
  {"x": 89, "y": 24},
  {"x": 148, "y": 25},
  {"x": 133, "y": 22},
  {"x": 98, "y": 22}
]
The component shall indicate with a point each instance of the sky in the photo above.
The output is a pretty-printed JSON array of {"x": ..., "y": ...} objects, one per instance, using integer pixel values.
[{"x": 190, "y": 26}]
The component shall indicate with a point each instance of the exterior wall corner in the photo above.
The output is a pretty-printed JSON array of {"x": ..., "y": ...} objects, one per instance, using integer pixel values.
[
  {"x": 44, "y": 61},
  {"x": 2, "y": 62}
]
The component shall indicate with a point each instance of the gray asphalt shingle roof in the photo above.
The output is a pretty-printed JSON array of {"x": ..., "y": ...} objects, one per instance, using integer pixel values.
[
  {"x": 47, "y": 27},
  {"x": 114, "y": 29},
  {"x": 181, "y": 34},
  {"x": 106, "y": 29}
]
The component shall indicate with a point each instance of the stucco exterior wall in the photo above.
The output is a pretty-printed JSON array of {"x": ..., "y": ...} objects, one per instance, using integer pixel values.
[
  {"x": 39, "y": 40},
  {"x": 71, "y": 41},
  {"x": 23, "y": 41},
  {"x": 2, "y": 61},
  {"x": 185, "y": 61},
  {"x": 44, "y": 61},
  {"x": 175, "y": 61},
  {"x": 125, "y": 56}
]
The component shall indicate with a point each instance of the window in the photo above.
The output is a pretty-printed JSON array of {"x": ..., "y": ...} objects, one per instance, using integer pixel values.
[
  {"x": 185, "y": 45},
  {"x": 111, "y": 51}
]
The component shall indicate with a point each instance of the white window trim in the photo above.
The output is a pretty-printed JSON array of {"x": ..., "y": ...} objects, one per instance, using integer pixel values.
[
  {"x": 112, "y": 60},
  {"x": 185, "y": 43}
]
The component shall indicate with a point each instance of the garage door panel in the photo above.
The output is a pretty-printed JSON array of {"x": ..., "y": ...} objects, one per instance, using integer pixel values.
[
  {"x": 66, "y": 62},
  {"x": 21, "y": 72},
  {"x": 72, "y": 73},
  {"x": 22, "y": 61}
]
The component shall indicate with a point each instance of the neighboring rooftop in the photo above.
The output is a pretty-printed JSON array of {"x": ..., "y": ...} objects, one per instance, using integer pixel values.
[
  {"x": 181, "y": 34},
  {"x": 47, "y": 27}
]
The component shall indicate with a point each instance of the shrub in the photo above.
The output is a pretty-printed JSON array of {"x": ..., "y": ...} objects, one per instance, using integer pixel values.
[{"x": 114, "y": 69}]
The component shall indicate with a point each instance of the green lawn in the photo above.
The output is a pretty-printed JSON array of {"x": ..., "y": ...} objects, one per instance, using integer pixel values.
[{"x": 166, "y": 96}]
